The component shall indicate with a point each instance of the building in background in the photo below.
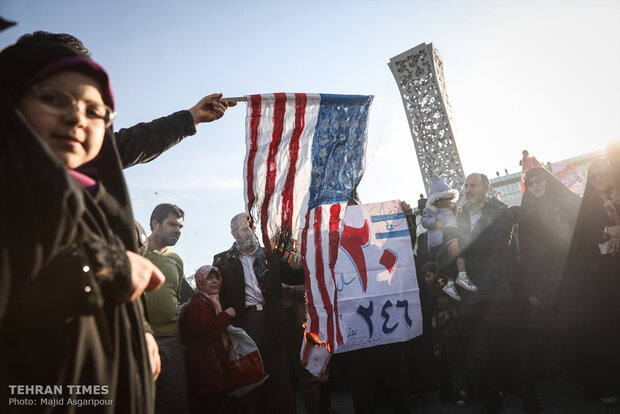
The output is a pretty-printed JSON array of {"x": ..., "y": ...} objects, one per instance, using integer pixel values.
[{"x": 509, "y": 186}]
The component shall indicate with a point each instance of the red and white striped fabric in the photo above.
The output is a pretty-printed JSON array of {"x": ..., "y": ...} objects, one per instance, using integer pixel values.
[
  {"x": 279, "y": 130},
  {"x": 305, "y": 155},
  {"x": 319, "y": 249}
]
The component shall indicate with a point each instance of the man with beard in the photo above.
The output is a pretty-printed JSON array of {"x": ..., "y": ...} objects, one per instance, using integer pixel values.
[
  {"x": 485, "y": 227},
  {"x": 253, "y": 287},
  {"x": 162, "y": 306}
]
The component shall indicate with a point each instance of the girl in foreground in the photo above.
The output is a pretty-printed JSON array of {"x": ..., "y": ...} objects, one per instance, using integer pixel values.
[{"x": 69, "y": 277}]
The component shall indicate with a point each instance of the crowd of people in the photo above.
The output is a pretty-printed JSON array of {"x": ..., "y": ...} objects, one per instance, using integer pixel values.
[
  {"x": 510, "y": 296},
  {"x": 545, "y": 272}
]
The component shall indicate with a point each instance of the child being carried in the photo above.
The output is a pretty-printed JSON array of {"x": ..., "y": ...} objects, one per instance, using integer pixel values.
[{"x": 438, "y": 217}]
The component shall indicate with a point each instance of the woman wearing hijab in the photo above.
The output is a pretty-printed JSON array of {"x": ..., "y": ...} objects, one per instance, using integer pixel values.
[
  {"x": 590, "y": 306},
  {"x": 548, "y": 214},
  {"x": 69, "y": 274},
  {"x": 203, "y": 327},
  {"x": 547, "y": 218}
]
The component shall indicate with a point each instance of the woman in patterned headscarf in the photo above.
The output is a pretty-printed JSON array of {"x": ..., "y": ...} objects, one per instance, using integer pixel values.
[{"x": 203, "y": 327}]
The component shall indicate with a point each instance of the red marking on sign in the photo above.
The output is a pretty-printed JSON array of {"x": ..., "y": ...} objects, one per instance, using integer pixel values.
[
  {"x": 352, "y": 240},
  {"x": 388, "y": 259}
]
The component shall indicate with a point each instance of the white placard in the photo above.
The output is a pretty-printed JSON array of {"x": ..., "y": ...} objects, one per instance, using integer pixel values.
[{"x": 378, "y": 295}]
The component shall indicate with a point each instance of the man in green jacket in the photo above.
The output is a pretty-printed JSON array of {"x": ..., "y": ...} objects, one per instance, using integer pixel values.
[{"x": 162, "y": 306}]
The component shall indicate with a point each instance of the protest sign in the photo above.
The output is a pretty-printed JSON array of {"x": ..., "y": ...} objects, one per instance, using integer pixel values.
[{"x": 378, "y": 294}]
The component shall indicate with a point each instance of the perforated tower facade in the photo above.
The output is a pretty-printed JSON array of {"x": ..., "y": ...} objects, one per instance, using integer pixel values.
[{"x": 419, "y": 76}]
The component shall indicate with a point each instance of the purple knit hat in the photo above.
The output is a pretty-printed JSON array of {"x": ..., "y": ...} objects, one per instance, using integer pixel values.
[{"x": 79, "y": 64}]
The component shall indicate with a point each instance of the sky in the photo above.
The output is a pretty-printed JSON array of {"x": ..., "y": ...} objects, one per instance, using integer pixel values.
[{"x": 528, "y": 74}]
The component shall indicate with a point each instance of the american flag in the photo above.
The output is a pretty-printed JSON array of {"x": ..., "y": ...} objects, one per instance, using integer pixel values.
[{"x": 305, "y": 155}]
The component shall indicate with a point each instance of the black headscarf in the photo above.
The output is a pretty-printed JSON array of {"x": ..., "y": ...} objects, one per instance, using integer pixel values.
[
  {"x": 31, "y": 60},
  {"x": 546, "y": 227},
  {"x": 558, "y": 200},
  {"x": 556, "y": 194},
  {"x": 589, "y": 304},
  {"x": 51, "y": 228},
  {"x": 44, "y": 202},
  {"x": 591, "y": 221}
]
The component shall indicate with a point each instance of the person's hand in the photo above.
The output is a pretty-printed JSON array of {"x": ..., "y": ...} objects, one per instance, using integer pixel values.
[
  {"x": 440, "y": 225},
  {"x": 231, "y": 312},
  {"x": 453, "y": 247},
  {"x": 534, "y": 301},
  {"x": 295, "y": 261},
  {"x": 210, "y": 108},
  {"x": 613, "y": 231},
  {"x": 153, "y": 351},
  {"x": 144, "y": 275},
  {"x": 406, "y": 208},
  {"x": 613, "y": 246}
]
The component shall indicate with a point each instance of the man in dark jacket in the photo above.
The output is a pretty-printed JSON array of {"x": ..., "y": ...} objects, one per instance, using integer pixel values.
[
  {"x": 485, "y": 227},
  {"x": 253, "y": 287}
]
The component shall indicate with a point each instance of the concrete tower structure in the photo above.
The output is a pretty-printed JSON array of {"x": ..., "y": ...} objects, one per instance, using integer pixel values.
[{"x": 419, "y": 76}]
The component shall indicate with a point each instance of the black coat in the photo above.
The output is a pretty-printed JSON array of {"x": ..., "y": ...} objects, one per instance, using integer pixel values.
[
  {"x": 270, "y": 279},
  {"x": 62, "y": 323},
  {"x": 545, "y": 232},
  {"x": 485, "y": 249},
  {"x": 147, "y": 140},
  {"x": 589, "y": 303}
]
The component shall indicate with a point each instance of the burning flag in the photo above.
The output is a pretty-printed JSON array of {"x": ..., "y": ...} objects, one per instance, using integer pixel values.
[{"x": 305, "y": 155}]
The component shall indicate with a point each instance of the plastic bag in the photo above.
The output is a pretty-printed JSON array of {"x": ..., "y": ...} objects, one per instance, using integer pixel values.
[{"x": 246, "y": 366}]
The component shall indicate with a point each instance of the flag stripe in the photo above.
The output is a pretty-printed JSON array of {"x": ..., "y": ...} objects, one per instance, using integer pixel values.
[
  {"x": 255, "y": 101},
  {"x": 334, "y": 242},
  {"x": 320, "y": 275},
  {"x": 304, "y": 165},
  {"x": 276, "y": 138},
  {"x": 393, "y": 234},
  {"x": 287, "y": 193},
  {"x": 387, "y": 217},
  {"x": 313, "y": 317},
  {"x": 305, "y": 153}
]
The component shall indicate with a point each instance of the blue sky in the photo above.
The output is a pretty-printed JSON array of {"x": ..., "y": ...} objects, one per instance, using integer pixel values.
[{"x": 536, "y": 75}]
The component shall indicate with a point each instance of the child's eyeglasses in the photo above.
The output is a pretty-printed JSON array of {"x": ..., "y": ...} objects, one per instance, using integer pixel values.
[{"x": 61, "y": 103}]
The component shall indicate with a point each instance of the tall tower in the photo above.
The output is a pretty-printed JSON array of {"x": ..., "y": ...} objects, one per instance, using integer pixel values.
[{"x": 419, "y": 75}]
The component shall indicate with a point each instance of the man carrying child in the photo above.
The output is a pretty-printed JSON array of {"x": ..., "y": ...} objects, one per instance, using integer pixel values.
[{"x": 439, "y": 217}]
